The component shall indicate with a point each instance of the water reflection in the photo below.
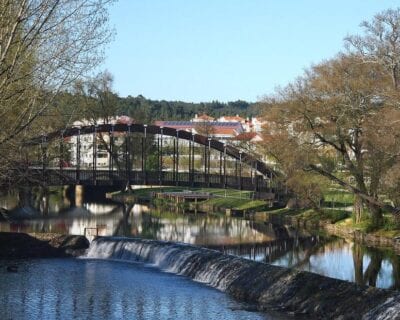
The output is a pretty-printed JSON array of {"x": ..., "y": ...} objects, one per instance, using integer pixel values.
[
  {"x": 329, "y": 256},
  {"x": 333, "y": 257}
]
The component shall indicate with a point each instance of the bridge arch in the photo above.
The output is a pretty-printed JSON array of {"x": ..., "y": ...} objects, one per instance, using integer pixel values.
[
  {"x": 225, "y": 150},
  {"x": 230, "y": 151}
]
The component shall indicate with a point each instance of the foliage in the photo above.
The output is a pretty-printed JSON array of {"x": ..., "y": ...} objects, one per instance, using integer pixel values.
[
  {"x": 45, "y": 45},
  {"x": 341, "y": 120},
  {"x": 330, "y": 120},
  {"x": 148, "y": 110}
]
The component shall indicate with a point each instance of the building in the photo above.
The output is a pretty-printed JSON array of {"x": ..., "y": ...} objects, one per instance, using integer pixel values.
[
  {"x": 202, "y": 118},
  {"x": 102, "y": 142},
  {"x": 222, "y": 131}
]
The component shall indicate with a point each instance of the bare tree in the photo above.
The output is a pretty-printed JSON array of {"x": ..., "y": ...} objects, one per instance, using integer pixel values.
[
  {"x": 205, "y": 128},
  {"x": 45, "y": 45},
  {"x": 380, "y": 42},
  {"x": 98, "y": 105}
]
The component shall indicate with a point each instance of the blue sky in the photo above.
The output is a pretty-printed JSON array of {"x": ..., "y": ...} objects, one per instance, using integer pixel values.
[{"x": 204, "y": 50}]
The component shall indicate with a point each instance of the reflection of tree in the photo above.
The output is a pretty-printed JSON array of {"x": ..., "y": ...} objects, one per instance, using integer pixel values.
[
  {"x": 310, "y": 248},
  {"x": 395, "y": 260},
  {"x": 371, "y": 273},
  {"x": 123, "y": 227},
  {"x": 358, "y": 263},
  {"x": 150, "y": 226}
]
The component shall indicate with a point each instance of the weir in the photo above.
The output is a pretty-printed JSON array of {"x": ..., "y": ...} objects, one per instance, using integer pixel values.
[{"x": 268, "y": 287}]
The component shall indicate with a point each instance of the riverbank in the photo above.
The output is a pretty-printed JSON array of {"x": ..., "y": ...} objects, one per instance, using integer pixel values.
[
  {"x": 334, "y": 222},
  {"x": 40, "y": 245}
]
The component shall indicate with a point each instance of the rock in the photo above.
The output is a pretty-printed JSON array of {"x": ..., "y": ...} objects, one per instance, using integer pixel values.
[
  {"x": 21, "y": 245},
  {"x": 389, "y": 310},
  {"x": 70, "y": 242}
]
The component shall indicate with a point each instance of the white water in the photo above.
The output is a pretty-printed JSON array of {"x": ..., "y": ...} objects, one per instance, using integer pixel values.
[
  {"x": 203, "y": 265},
  {"x": 243, "y": 278}
]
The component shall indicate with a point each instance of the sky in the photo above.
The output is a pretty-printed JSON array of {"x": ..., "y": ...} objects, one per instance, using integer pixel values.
[{"x": 225, "y": 50}]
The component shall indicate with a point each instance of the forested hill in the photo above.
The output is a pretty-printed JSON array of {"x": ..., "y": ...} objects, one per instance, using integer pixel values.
[{"x": 149, "y": 110}]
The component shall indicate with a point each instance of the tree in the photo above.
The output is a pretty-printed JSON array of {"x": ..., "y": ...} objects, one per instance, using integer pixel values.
[
  {"x": 98, "y": 104},
  {"x": 332, "y": 122},
  {"x": 45, "y": 45},
  {"x": 205, "y": 128},
  {"x": 95, "y": 99},
  {"x": 380, "y": 43}
]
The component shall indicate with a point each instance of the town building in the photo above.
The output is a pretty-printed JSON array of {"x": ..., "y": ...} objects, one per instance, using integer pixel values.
[{"x": 101, "y": 140}]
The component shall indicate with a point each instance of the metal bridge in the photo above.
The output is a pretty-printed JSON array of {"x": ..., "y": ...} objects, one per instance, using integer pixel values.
[{"x": 140, "y": 157}]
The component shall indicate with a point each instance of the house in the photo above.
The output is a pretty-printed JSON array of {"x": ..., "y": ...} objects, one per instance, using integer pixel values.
[
  {"x": 252, "y": 137},
  {"x": 232, "y": 119},
  {"x": 102, "y": 142},
  {"x": 202, "y": 118}
]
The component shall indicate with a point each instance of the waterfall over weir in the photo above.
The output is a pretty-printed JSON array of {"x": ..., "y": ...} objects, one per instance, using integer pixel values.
[{"x": 269, "y": 287}]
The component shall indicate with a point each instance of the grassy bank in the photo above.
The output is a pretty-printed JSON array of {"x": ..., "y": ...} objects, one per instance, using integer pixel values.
[
  {"x": 221, "y": 198},
  {"x": 341, "y": 219}
]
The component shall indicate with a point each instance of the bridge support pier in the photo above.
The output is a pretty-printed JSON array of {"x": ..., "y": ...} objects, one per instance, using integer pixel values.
[
  {"x": 66, "y": 195},
  {"x": 79, "y": 194}
]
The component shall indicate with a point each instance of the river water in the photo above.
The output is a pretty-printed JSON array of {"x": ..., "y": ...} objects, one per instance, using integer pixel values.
[
  {"x": 260, "y": 241},
  {"x": 103, "y": 289}
]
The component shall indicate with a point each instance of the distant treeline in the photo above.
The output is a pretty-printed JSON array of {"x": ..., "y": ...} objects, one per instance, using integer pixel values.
[{"x": 141, "y": 108}]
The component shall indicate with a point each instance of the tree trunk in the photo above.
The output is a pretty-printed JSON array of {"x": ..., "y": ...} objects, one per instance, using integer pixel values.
[
  {"x": 357, "y": 209},
  {"x": 376, "y": 214}
]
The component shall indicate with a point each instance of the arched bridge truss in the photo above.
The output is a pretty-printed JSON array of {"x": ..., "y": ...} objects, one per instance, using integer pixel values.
[{"x": 145, "y": 155}]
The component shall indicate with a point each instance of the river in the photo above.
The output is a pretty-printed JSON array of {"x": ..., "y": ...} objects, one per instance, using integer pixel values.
[
  {"x": 260, "y": 241},
  {"x": 103, "y": 289}
]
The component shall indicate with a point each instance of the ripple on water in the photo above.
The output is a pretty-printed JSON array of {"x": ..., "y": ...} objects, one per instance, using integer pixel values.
[{"x": 95, "y": 289}]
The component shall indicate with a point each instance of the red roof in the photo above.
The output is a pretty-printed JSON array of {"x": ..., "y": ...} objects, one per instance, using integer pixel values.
[
  {"x": 246, "y": 136},
  {"x": 233, "y": 118},
  {"x": 219, "y": 130},
  {"x": 205, "y": 117}
]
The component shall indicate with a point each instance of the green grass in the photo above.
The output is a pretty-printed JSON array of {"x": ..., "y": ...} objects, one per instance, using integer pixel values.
[
  {"x": 235, "y": 203},
  {"x": 218, "y": 192},
  {"x": 224, "y": 198},
  {"x": 284, "y": 211},
  {"x": 330, "y": 215},
  {"x": 338, "y": 198}
]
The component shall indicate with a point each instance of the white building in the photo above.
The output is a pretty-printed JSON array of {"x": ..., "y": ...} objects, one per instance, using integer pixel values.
[{"x": 102, "y": 141}]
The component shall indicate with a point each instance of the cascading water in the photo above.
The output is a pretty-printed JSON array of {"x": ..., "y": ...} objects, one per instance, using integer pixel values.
[
  {"x": 265, "y": 285},
  {"x": 200, "y": 264}
]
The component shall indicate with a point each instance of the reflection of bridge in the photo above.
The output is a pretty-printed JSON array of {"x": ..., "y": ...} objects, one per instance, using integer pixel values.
[{"x": 141, "y": 158}]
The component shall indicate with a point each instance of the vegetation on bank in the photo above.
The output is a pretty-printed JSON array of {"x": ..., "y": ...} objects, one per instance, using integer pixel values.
[
  {"x": 342, "y": 218},
  {"x": 336, "y": 207}
]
